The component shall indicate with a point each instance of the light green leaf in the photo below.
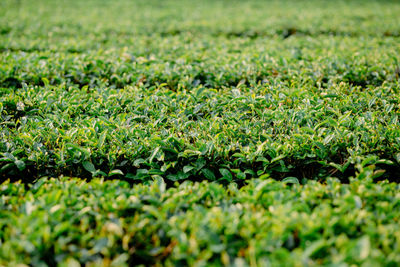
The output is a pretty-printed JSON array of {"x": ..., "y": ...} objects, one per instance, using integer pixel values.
[
  {"x": 20, "y": 164},
  {"x": 89, "y": 166},
  {"x": 187, "y": 169},
  {"x": 115, "y": 172},
  {"x": 291, "y": 180}
]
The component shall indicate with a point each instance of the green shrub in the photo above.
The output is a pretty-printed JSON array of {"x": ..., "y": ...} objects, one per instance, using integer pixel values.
[{"x": 60, "y": 221}]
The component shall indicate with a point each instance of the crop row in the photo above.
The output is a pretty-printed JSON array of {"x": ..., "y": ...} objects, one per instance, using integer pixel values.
[
  {"x": 235, "y": 133},
  {"x": 172, "y": 90},
  {"x": 187, "y": 62},
  {"x": 288, "y": 124},
  {"x": 69, "y": 221},
  {"x": 214, "y": 109},
  {"x": 216, "y": 18}
]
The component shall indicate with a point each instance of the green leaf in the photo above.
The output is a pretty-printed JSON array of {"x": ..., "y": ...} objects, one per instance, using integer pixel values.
[
  {"x": 178, "y": 176},
  {"x": 208, "y": 174},
  {"x": 189, "y": 152},
  {"x": 341, "y": 168},
  {"x": 200, "y": 163},
  {"x": 363, "y": 247},
  {"x": 241, "y": 175},
  {"x": 397, "y": 157},
  {"x": 187, "y": 169},
  {"x": 159, "y": 181},
  {"x": 9, "y": 156},
  {"x": 314, "y": 248},
  {"x": 70, "y": 262},
  {"x": 384, "y": 161},
  {"x": 131, "y": 176},
  {"x": 89, "y": 166},
  {"x": 291, "y": 180},
  {"x": 137, "y": 162},
  {"x": 277, "y": 158},
  {"x": 102, "y": 138},
  {"x": 156, "y": 172},
  {"x": 154, "y": 154},
  {"x": 377, "y": 174},
  {"x": 7, "y": 167},
  {"x": 115, "y": 172},
  {"x": 45, "y": 81},
  {"x": 20, "y": 164},
  {"x": 226, "y": 174},
  {"x": 99, "y": 173}
]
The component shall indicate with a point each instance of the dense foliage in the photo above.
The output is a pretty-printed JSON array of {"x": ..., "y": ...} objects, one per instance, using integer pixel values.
[
  {"x": 178, "y": 92},
  {"x": 192, "y": 107},
  {"x": 265, "y": 222}
]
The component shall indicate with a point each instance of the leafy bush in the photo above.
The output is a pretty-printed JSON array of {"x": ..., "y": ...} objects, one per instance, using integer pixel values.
[
  {"x": 170, "y": 109},
  {"x": 173, "y": 90},
  {"x": 65, "y": 221}
]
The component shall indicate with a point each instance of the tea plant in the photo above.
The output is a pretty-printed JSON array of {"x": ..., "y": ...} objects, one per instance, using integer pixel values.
[
  {"x": 221, "y": 123},
  {"x": 198, "y": 99},
  {"x": 70, "y": 221}
]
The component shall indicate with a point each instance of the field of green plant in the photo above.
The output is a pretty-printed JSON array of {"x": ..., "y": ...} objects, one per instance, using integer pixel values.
[{"x": 246, "y": 133}]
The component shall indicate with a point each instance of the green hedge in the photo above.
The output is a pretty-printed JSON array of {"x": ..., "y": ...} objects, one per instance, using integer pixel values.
[
  {"x": 227, "y": 116},
  {"x": 70, "y": 221},
  {"x": 134, "y": 89},
  {"x": 186, "y": 103}
]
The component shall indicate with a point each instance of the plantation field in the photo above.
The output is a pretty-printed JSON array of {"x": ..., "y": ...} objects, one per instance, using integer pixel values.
[{"x": 246, "y": 133}]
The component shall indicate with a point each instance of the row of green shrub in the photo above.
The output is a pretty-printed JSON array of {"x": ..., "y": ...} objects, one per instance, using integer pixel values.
[
  {"x": 69, "y": 222},
  {"x": 230, "y": 112},
  {"x": 202, "y": 133},
  {"x": 170, "y": 109},
  {"x": 171, "y": 89},
  {"x": 182, "y": 62},
  {"x": 118, "y": 19}
]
